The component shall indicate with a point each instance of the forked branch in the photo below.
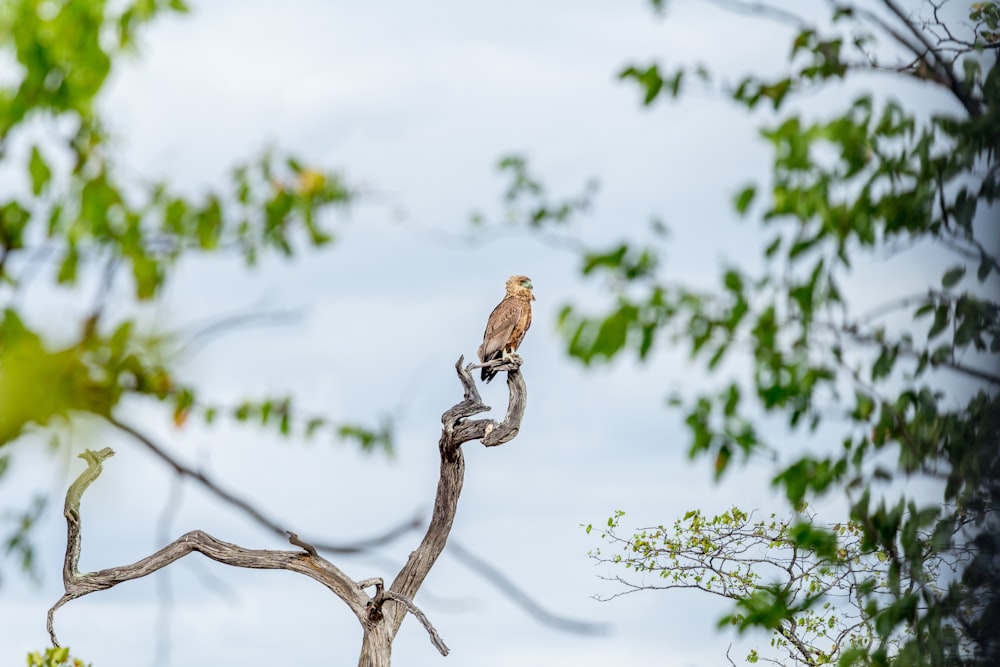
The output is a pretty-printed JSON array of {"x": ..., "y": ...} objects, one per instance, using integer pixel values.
[
  {"x": 379, "y": 620},
  {"x": 78, "y": 584},
  {"x": 456, "y": 430}
]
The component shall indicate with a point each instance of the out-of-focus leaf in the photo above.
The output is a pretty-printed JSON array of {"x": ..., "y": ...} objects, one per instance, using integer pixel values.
[
  {"x": 39, "y": 171},
  {"x": 952, "y": 276}
]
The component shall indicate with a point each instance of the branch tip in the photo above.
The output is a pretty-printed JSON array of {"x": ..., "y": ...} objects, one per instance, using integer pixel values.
[
  {"x": 294, "y": 539},
  {"x": 420, "y": 616}
]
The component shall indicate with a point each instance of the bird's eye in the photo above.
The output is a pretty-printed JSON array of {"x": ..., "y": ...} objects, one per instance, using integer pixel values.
[{"x": 526, "y": 283}]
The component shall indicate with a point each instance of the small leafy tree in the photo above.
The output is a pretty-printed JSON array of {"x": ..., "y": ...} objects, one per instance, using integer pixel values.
[{"x": 758, "y": 562}]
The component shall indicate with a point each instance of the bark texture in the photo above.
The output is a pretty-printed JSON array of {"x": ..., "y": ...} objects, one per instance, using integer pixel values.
[{"x": 379, "y": 614}]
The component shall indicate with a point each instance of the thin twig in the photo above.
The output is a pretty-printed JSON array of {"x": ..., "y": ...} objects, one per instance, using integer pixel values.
[
  {"x": 205, "y": 333},
  {"x": 956, "y": 86},
  {"x": 763, "y": 10},
  {"x": 512, "y": 591},
  {"x": 422, "y": 617},
  {"x": 252, "y": 511}
]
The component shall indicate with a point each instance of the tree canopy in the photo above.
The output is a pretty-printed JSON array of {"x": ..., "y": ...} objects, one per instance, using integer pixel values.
[
  {"x": 908, "y": 390},
  {"x": 76, "y": 213}
]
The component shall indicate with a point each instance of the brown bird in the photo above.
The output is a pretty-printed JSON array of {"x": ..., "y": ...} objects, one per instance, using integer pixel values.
[{"x": 508, "y": 323}]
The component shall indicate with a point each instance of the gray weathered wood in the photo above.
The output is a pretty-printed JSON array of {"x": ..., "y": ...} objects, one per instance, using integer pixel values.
[{"x": 380, "y": 615}]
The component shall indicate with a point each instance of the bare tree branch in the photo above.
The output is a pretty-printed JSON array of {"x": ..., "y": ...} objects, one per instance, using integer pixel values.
[
  {"x": 456, "y": 431},
  {"x": 380, "y": 622},
  {"x": 907, "y": 351},
  {"x": 252, "y": 511},
  {"x": 512, "y": 591},
  {"x": 415, "y": 610},
  {"x": 504, "y": 585},
  {"x": 942, "y": 65},
  {"x": 205, "y": 333},
  {"x": 761, "y": 9},
  {"x": 78, "y": 584}
]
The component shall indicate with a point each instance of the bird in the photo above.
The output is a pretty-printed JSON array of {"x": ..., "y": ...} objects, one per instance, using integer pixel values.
[{"x": 508, "y": 323}]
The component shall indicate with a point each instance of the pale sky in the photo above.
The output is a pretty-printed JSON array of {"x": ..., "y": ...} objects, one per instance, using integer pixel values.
[{"x": 417, "y": 102}]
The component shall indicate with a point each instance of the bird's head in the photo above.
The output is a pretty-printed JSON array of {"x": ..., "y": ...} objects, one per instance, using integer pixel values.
[{"x": 520, "y": 286}]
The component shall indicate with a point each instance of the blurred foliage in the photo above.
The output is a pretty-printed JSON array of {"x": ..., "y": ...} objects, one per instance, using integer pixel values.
[
  {"x": 527, "y": 201},
  {"x": 54, "y": 657},
  {"x": 17, "y": 543},
  {"x": 914, "y": 380},
  {"x": 77, "y": 219}
]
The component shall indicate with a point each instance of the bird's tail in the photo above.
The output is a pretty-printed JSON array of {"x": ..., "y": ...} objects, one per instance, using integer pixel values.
[{"x": 487, "y": 374}]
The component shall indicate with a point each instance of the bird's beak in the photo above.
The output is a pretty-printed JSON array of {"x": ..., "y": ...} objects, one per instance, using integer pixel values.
[{"x": 532, "y": 296}]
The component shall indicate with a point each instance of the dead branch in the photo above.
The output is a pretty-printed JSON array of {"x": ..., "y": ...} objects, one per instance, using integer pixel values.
[
  {"x": 457, "y": 430},
  {"x": 422, "y": 617},
  {"x": 379, "y": 621},
  {"x": 78, "y": 584}
]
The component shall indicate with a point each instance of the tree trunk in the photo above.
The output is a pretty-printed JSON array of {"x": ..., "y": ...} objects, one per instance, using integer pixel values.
[{"x": 376, "y": 646}]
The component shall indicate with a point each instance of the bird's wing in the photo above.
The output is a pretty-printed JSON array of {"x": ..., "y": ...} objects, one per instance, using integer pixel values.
[
  {"x": 521, "y": 326},
  {"x": 499, "y": 328}
]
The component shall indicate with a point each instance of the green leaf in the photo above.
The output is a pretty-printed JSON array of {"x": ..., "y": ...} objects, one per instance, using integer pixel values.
[
  {"x": 772, "y": 247},
  {"x": 941, "y": 318},
  {"x": 67, "y": 267},
  {"x": 744, "y": 199},
  {"x": 985, "y": 266},
  {"x": 39, "y": 170},
  {"x": 952, "y": 276},
  {"x": 611, "y": 336},
  {"x": 314, "y": 424},
  {"x": 608, "y": 260},
  {"x": 864, "y": 407},
  {"x": 733, "y": 281},
  {"x": 649, "y": 80},
  {"x": 822, "y": 541},
  {"x": 148, "y": 276},
  {"x": 886, "y": 360}
]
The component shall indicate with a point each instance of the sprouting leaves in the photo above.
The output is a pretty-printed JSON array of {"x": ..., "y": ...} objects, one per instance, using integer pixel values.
[{"x": 986, "y": 16}]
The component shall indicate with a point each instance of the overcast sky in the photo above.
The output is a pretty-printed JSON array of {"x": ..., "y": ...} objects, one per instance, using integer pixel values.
[{"x": 416, "y": 101}]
